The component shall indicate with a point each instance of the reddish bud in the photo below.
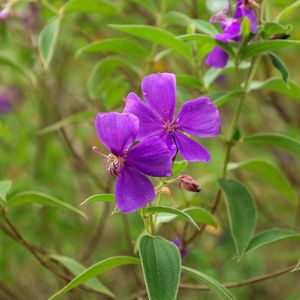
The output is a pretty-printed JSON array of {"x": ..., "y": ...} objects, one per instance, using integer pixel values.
[{"x": 188, "y": 183}]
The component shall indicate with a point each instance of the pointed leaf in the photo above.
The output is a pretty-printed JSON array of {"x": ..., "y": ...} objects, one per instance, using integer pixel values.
[
  {"x": 210, "y": 282},
  {"x": 241, "y": 213},
  {"x": 4, "y": 188},
  {"x": 99, "y": 198},
  {"x": 90, "y": 6},
  {"x": 95, "y": 270},
  {"x": 161, "y": 265},
  {"x": 297, "y": 267},
  {"x": 271, "y": 236},
  {"x": 178, "y": 167},
  {"x": 147, "y": 4},
  {"x": 288, "y": 10},
  {"x": 280, "y": 66}
]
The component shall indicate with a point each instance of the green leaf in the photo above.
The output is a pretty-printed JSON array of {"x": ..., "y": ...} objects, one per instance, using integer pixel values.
[
  {"x": 288, "y": 10},
  {"x": 156, "y": 36},
  {"x": 147, "y": 4},
  {"x": 117, "y": 45},
  {"x": 271, "y": 236},
  {"x": 161, "y": 265},
  {"x": 270, "y": 173},
  {"x": 99, "y": 198},
  {"x": 179, "y": 166},
  {"x": 90, "y": 6},
  {"x": 270, "y": 29},
  {"x": 219, "y": 101},
  {"x": 282, "y": 141},
  {"x": 241, "y": 213},
  {"x": 297, "y": 267},
  {"x": 280, "y": 66},
  {"x": 47, "y": 41},
  {"x": 246, "y": 27},
  {"x": 81, "y": 116},
  {"x": 189, "y": 80},
  {"x": 210, "y": 282},
  {"x": 95, "y": 270},
  {"x": 76, "y": 268},
  {"x": 174, "y": 211},
  {"x": 4, "y": 188},
  {"x": 261, "y": 47},
  {"x": 25, "y": 198},
  {"x": 197, "y": 37},
  {"x": 277, "y": 85}
]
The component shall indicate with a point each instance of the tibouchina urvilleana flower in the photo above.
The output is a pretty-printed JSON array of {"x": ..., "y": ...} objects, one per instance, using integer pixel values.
[
  {"x": 231, "y": 27},
  {"x": 117, "y": 132},
  {"x": 198, "y": 117}
]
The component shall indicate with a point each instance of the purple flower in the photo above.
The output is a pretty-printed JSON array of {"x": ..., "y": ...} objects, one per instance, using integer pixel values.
[
  {"x": 199, "y": 117},
  {"x": 117, "y": 131},
  {"x": 217, "y": 58},
  {"x": 178, "y": 243},
  {"x": 245, "y": 9},
  {"x": 4, "y": 13},
  {"x": 8, "y": 97}
]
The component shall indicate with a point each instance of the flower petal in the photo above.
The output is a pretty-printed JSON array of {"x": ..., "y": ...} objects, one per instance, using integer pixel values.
[
  {"x": 231, "y": 33},
  {"x": 217, "y": 58},
  {"x": 168, "y": 139},
  {"x": 159, "y": 91},
  {"x": 133, "y": 190},
  {"x": 117, "y": 131},
  {"x": 191, "y": 150},
  {"x": 150, "y": 157},
  {"x": 250, "y": 14},
  {"x": 150, "y": 123},
  {"x": 199, "y": 117}
]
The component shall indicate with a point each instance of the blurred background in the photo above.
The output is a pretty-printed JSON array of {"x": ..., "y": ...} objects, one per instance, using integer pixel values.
[{"x": 58, "y": 160}]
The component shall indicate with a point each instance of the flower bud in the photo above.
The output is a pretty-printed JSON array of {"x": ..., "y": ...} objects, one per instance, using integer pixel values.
[{"x": 188, "y": 183}]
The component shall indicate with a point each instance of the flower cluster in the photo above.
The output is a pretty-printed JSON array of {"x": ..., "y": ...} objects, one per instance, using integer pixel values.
[
  {"x": 231, "y": 27},
  {"x": 160, "y": 135}
]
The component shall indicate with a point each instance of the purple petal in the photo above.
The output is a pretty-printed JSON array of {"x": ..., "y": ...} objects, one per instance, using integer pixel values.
[
  {"x": 133, "y": 190},
  {"x": 159, "y": 91},
  {"x": 150, "y": 157},
  {"x": 250, "y": 14},
  {"x": 199, "y": 117},
  {"x": 218, "y": 58},
  {"x": 191, "y": 150},
  {"x": 150, "y": 123},
  {"x": 231, "y": 33},
  {"x": 117, "y": 131},
  {"x": 168, "y": 139}
]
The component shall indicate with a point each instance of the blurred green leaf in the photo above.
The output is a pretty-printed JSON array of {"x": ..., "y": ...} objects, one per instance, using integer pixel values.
[
  {"x": 174, "y": 211},
  {"x": 261, "y": 47},
  {"x": 76, "y": 268},
  {"x": 47, "y": 40},
  {"x": 202, "y": 38},
  {"x": 291, "y": 89},
  {"x": 178, "y": 166},
  {"x": 81, "y": 116},
  {"x": 99, "y": 198},
  {"x": 210, "y": 282},
  {"x": 4, "y": 188},
  {"x": 95, "y": 270},
  {"x": 241, "y": 213},
  {"x": 117, "y": 45},
  {"x": 297, "y": 268},
  {"x": 288, "y": 10},
  {"x": 282, "y": 141},
  {"x": 25, "y": 198},
  {"x": 219, "y": 101},
  {"x": 246, "y": 27},
  {"x": 280, "y": 66},
  {"x": 271, "y": 236},
  {"x": 270, "y": 29},
  {"x": 270, "y": 173},
  {"x": 156, "y": 36},
  {"x": 147, "y": 4},
  {"x": 90, "y": 6},
  {"x": 161, "y": 264}
]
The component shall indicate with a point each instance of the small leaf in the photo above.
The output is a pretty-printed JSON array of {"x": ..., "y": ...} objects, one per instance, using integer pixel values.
[
  {"x": 280, "y": 66},
  {"x": 156, "y": 36},
  {"x": 161, "y": 267},
  {"x": 201, "y": 215},
  {"x": 190, "y": 81},
  {"x": 115, "y": 45},
  {"x": 147, "y": 4},
  {"x": 277, "y": 85},
  {"x": 282, "y": 141},
  {"x": 178, "y": 167},
  {"x": 270, "y": 173},
  {"x": 95, "y": 270},
  {"x": 270, "y": 29},
  {"x": 174, "y": 211},
  {"x": 4, "y": 188},
  {"x": 297, "y": 267},
  {"x": 241, "y": 213},
  {"x": 246, "y": 27},
  {"x": 261, "y": 47},
  {"x": 40, "y": 198},
  {"x": 201, "y": 38},
  {"x": 288, "y": 10},
  {"x": 99, "y": 198},
  {"x": 76, "y": 268},
  {"x": 227, "y": 97},
  {"x": 81, "y": 116},
  {"x": 271, "y": 236},
  {"x": 210, "y": 282},
  {"x": 47, "y": 41}
]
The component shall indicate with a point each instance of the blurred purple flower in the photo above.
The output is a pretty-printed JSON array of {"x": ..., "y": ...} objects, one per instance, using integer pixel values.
[
  {"x": 199, "y": 117},
  {"x": 8, "y": 97},
  {"x": 117, "y": 131},
  {"x": 31, "y": 17},
  {"x": 245, "y": 9},
  {"x": 178, "y": 243},
  {"x": 217, "y": 58},
  {"x": 4, "y": 13}
]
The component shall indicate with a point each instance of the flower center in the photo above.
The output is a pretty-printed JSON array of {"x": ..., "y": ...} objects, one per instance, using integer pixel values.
[
  {"x": 171, "y": 126},
  {"x": 114, "y": 164}
]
